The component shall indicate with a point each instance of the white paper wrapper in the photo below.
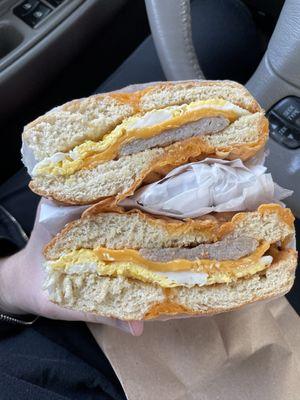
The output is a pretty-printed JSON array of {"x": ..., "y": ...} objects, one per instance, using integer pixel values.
[
  {"x": 54, "y": 216},
  {"x": 28, "y": 158},
  {"x": 211, "y": 185},
  {"x": 189, "y": 191}
]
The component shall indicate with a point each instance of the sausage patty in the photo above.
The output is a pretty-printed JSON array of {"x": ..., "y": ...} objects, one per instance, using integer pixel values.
[
  {"x": 227, "y": 249},
  {"x": 186, "y": 131}
]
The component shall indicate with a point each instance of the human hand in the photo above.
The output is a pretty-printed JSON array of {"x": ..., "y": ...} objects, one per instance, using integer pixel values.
[{"x": 21, "y": 286}]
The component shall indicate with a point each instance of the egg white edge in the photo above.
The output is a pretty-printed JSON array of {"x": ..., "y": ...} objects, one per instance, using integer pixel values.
[{"x": 180, "y": 278}]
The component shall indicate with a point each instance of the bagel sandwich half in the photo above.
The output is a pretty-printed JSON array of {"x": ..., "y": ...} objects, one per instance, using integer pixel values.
[
  {"x": 134, "y": 266},
  {"x": 109, "y": 144}
]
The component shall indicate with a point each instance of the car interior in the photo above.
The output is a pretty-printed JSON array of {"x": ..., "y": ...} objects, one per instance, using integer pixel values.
[{"x": 52, "y": 51}]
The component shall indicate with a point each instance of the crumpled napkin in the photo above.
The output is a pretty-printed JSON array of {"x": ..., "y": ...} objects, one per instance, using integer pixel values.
[{"x": 210, "y": 185}]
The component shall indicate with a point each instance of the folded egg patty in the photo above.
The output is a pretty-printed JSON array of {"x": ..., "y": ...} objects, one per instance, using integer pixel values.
[
  {"x": 176, "y": 272},
  {"x": 138, "y": 133}
]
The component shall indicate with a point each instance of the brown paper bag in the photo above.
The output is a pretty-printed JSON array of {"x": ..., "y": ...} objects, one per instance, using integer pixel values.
[{"x": 249, "y": 354}]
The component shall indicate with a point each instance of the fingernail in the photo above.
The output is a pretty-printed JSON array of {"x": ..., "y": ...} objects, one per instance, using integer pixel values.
[{"x": 136, "y": 328}]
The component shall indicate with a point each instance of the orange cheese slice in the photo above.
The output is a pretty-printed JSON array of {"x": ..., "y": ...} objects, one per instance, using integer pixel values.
[{"x": 200, "y": 265}]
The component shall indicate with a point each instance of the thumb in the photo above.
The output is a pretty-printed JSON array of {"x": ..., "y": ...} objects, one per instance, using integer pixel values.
[{"x": 51, "y": 310}]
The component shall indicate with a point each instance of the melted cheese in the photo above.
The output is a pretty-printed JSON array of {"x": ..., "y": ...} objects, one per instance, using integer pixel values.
[
  {"x": 154, "y": 122},
  {"x": 199, "y": 265},
  {"x": 128, "y": 263}
]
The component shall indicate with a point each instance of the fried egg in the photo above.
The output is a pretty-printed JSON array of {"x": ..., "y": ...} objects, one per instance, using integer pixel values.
[
  {"x": 152, "y": 123},
  {"x": 200, "y": 272}
]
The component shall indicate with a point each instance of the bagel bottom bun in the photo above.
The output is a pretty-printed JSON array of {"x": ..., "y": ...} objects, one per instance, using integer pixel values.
[
  {"x": 134, "y": 266},
  {"x": 127, "y": 299}
]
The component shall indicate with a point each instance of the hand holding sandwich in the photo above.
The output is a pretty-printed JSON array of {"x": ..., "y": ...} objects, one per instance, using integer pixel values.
[
  {"x": 21, "y": 291},
  {"x": 179, "y": 218}
]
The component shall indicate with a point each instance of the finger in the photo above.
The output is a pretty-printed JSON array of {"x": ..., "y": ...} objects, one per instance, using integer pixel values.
[
  {"x": 115, "y": 323},
  {"x": 53, "y": 311},
  {"x": 135, "y": 328}
]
